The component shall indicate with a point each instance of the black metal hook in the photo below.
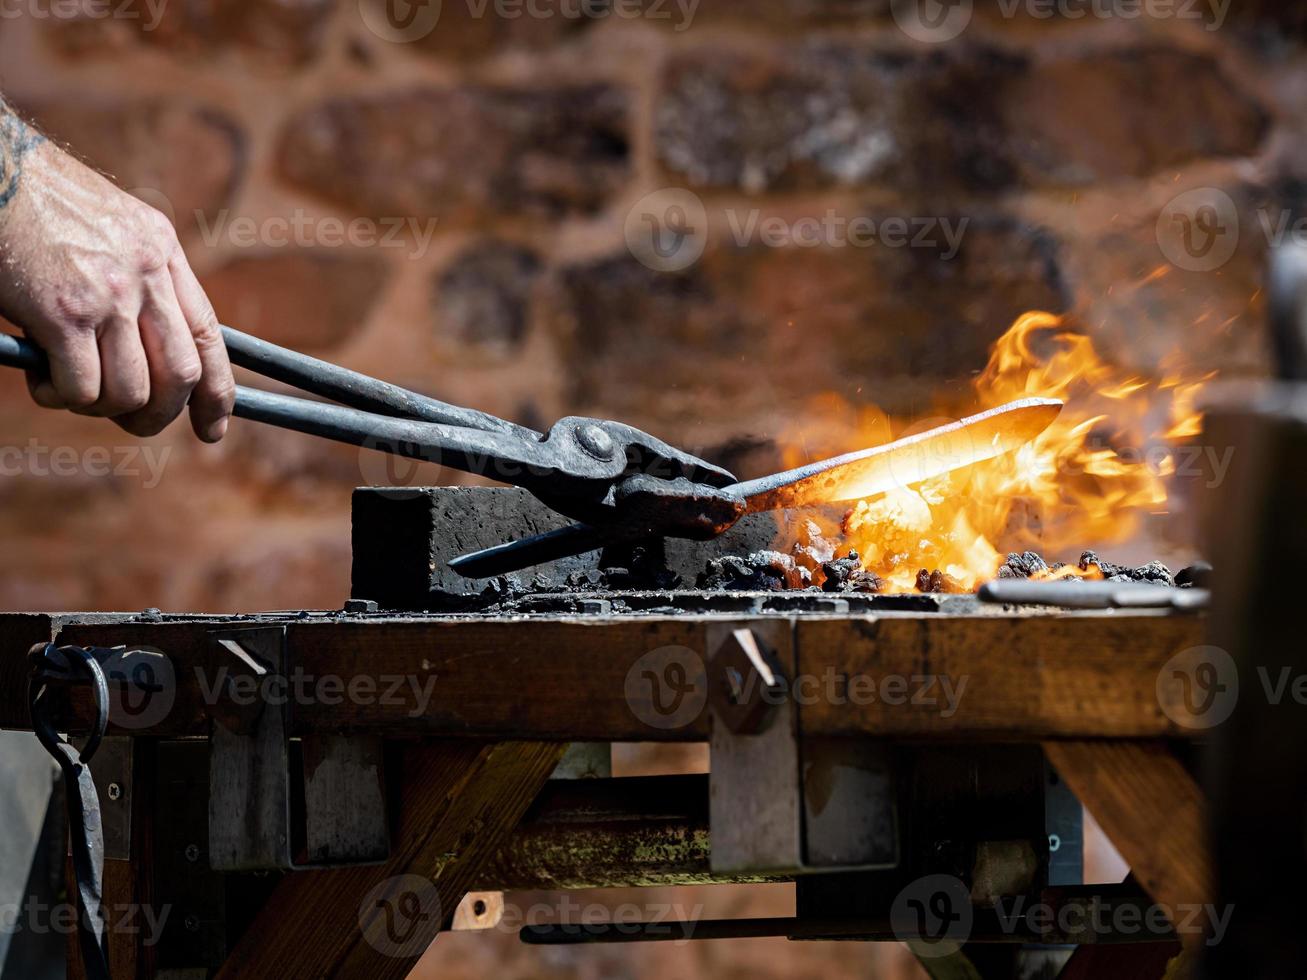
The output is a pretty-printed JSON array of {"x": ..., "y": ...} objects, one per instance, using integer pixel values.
[{"x": 49, "y": 663}]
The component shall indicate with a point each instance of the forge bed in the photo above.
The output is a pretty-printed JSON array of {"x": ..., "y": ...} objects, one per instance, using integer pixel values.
[{"x": 859, "y": 743}]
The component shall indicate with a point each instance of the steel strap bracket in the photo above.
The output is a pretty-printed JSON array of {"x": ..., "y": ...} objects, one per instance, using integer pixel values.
[
  {"x": 780, "y": 803},
  {"x": 277, "y": 802}
]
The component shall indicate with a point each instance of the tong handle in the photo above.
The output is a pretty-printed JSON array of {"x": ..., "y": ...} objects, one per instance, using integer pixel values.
[
  {"x": 23, "y": 354},
  {"x": 356, "y": 390},
  {"x": 311, "y": 375}
]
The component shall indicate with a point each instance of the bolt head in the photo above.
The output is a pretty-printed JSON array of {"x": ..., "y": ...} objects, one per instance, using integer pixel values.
[{"x": 595, "y": 441}]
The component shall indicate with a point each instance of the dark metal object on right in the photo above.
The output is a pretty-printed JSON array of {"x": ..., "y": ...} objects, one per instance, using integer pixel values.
[{"x": 1257, "y": 758}]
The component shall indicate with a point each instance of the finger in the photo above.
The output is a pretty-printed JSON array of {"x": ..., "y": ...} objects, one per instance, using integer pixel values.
[
  {"x": 124, "y": 372},
  {"x": 74, "y": 380},
  {"x": 174, "y": 364},
  {"x": 43, "y": 392},
  {"x": 214, "y": 395}
]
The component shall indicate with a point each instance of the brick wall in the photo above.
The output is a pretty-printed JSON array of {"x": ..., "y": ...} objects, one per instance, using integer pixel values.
[{"x": 467, "y": 212}]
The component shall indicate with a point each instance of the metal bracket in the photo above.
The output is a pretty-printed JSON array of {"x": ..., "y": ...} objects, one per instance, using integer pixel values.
[
  {"x": 111, "y": 771},
  {"x": 780, "y": 803},
  {"x": 256, "y": 821}
]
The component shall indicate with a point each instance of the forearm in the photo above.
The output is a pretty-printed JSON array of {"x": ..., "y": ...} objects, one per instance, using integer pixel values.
[{"x": 17, "y": 140}]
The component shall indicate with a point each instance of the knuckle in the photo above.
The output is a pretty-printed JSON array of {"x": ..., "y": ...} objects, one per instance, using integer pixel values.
[
  {"x": 135, "y": 399},
  {"x": 152, "y": 254},
  {"x": 205, "y": 327},
  {"x": 80, "y": 397},
  {"x": 187, "y": 374},
  {"x": 160, "y": 224},
  {"x": 81, "y": 310}
]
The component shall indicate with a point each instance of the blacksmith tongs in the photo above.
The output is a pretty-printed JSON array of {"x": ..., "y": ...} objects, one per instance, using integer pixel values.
[{"x": 603, "y": 473}]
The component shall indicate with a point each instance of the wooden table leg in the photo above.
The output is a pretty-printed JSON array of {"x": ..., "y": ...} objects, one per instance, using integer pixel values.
[
  {"x": 458, "y": 803},
  {"x": 1152, "y": 811}
]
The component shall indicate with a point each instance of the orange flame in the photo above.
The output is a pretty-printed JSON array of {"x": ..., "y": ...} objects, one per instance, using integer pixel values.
[{"x": 1090, "y": 477}]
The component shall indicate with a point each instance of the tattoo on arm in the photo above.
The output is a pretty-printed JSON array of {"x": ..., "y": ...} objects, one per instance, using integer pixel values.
[{"x": 17, "y": 139}]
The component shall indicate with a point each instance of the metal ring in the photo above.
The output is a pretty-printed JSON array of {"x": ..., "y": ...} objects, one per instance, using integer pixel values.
[{"x": 36, "y": 703}]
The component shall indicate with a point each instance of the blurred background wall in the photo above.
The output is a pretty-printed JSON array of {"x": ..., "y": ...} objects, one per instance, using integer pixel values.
[
  {"x": 451, "y": 203},
  {"x": 455, "y": 196}
]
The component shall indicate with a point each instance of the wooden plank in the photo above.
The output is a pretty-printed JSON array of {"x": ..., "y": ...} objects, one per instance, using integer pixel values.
[
  {"x": 1011, "y": 676},
  {"x": 543, "y": 679},
  {"x": 1066, "y": 675},
  {"x": 458, "y": 803},
  {"x": 1152, "y": 811}
]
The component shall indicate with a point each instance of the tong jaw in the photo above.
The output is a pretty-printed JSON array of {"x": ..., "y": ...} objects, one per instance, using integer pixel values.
[
  {"x": 645, "y": 483},
  {"x": 607, "y": 443}
]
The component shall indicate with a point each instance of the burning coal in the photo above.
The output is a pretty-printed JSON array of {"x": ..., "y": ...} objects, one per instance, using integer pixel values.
[{"x": 1091, "y": 477}]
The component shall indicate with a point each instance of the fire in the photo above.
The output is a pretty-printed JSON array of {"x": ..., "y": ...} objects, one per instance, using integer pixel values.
[{"x": 1090, "y": 478}]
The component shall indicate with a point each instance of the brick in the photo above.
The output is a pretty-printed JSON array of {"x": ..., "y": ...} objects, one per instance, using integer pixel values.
[
  {"x": 282, "y": 32},
  {"x": 1096, "y": 118},
  {"x": 463, "y": 151},
  {"x": 748, "y": 332},
  {"x": 482, "y": 299},
  {"x": 965, "y": 119},
  {"x": 181, "y": 158},
  {"x": 404, "y": 538},
  {"x": 308, "y": 299}
]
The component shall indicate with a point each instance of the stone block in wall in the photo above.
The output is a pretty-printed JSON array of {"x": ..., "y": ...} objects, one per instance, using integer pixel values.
[
  {"x": 279, "y": 32},
  {"x": 184, "y": 159},
  {"x": 304, "y": 298},
  {"x": 483, "y": 296},
  {"x": 751, "y": 330},
  {"x": 461, "y": 152},
  {"x": 963, "y": 119}
]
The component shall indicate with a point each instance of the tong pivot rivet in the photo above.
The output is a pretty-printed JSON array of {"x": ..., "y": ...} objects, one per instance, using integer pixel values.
[{"x": 595, "y": 441}]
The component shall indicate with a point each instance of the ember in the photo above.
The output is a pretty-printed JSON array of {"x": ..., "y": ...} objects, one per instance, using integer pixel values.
[{"x": 1090, "y": 479}]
